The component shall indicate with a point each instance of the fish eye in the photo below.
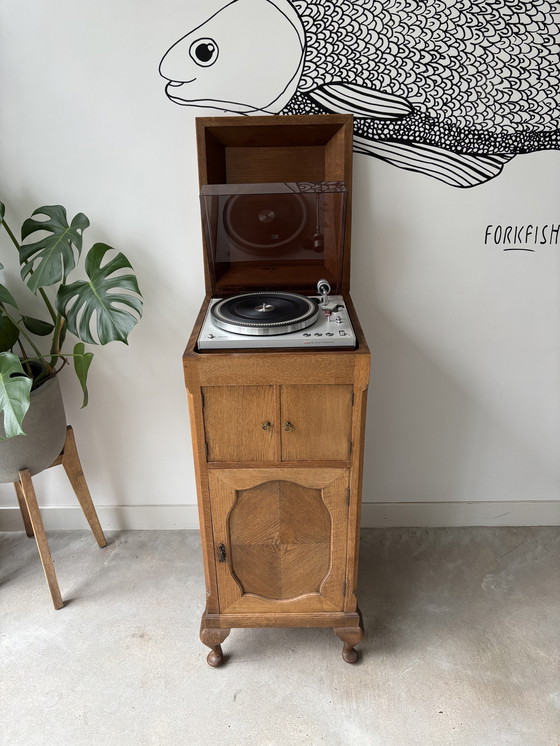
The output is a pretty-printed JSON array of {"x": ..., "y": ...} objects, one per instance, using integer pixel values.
[{"x": 204, "y": 52}]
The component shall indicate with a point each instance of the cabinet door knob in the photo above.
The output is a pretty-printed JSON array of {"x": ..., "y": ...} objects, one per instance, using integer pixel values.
[
  {"x": 221, "y": 553},
  {"x": 266, "y": 425},
  {"x": 288, "y": 427}
]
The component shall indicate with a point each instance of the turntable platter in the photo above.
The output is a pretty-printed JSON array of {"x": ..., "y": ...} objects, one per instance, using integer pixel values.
[{"x": 265, "y": 313}]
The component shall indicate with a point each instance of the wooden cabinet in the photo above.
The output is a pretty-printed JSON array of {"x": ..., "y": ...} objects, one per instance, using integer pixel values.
[
  {"x": 278, "y": 433},
  {"x": 278, "y": 464}
]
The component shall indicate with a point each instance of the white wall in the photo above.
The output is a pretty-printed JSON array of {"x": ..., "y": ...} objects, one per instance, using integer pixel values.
[{"x": 464, "y": 402}]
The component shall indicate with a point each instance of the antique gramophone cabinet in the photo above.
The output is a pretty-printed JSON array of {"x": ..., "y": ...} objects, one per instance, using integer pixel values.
[{"x": 276, "y": 371}]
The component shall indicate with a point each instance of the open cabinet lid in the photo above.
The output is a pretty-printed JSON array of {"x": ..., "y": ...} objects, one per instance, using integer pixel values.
[{"x": 275, "y": 202}]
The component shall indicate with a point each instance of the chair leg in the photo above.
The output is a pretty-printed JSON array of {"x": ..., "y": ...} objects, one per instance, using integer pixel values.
[
  {"x": 73, "y": 469},
  {"x": 23, "y": 509},
  {"x": 30, "y": 501}
]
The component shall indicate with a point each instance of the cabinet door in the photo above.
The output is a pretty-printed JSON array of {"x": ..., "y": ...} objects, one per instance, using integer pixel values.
[
  {"x": 316, "y": 422},
  {"x": 240, "y": 423},
  {"x": 280, "y": 538}
]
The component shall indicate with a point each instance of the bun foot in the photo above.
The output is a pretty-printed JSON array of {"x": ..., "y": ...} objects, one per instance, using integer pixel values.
[
  {"x": 349, "y": 653},
  {"x": 212, "y": 637},
  {"x": 351, "y": 636},
  {"x": 215, "y": 656}
]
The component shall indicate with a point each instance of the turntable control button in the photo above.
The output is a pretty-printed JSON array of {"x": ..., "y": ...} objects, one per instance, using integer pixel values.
[
  {"x": 210, "y": 336},
  {"x": 329, "y": 334},
  {"x": 318, "y": 334},
  {"x": 341, "y": 333},
  {"x": 338, "y": 319},
  {"x": 306, "y": 334}
]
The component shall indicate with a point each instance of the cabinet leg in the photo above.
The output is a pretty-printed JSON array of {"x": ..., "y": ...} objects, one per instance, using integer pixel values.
[
  {"x": 350, "y": 636},
  {"x": 212, "y": 637}
]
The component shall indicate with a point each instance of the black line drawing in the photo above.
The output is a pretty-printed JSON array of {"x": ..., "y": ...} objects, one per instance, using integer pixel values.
[{"x": 453, "y": 89}]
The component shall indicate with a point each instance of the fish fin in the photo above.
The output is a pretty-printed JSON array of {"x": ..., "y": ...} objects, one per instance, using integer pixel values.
[
  {"x": 348, "y": 98},
  {"x": 456, "y": 169}
]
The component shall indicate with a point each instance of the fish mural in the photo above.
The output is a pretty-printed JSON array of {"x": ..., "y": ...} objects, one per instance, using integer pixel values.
[{"x": 452, "y": 89}]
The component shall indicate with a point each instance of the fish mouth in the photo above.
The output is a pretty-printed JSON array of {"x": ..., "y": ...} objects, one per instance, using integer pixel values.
[
  {"x": 172, "y": 88},
  {"x": 179, "y": 83}
]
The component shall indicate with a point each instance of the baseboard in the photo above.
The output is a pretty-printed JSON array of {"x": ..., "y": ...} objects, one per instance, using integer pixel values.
[
  {"x": 111, "y": 517},
  {"x": 433, "y": 514},
  {"x": 428, "y": 514}
]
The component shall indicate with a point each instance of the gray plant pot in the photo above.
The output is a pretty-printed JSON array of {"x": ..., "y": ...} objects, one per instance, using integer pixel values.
[{"x": 45, "y": 425}]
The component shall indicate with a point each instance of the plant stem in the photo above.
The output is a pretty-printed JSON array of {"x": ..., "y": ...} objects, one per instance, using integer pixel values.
[
  {"x": 10, "y": 234},
  {"x": 59, "y": 326},
  {"x": 50, "y": 367},
  {"x": 57, "y": 336},
  {"x": 48, "y": 304},
  {"x": 22, "y": 348},
  {"x": 24, "y": 360}
]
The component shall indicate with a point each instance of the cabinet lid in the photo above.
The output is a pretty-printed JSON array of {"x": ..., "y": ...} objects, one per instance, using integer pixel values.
[
  {"x": 275, "y": 197},
  {"x": 274, "y": 236}
]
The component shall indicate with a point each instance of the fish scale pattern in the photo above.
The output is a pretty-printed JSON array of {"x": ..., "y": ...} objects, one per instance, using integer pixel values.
[
  {"x": 486, "y": 64},
  {"x": 422, "y": 129}
]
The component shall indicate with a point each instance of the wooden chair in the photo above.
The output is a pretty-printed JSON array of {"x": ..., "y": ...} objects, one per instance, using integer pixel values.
[{"x": 32, "y": 517}]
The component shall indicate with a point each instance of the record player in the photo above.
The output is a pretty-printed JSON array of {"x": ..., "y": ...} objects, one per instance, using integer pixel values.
[{"x": 280, "y": 238}]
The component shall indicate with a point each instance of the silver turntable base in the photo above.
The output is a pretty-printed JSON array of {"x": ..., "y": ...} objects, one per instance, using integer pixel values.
[{"x": 331, "y": 329}]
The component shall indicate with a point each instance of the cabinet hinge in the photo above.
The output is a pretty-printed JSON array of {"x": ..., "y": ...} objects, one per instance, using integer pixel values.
[
  {"x": 344, "y": 588},
  {"x": 350, "y": 446},
  {"x": 348, "y": 497},
  {"x": 352, "y": 398},
  {"x": 202, "y": 399},
  {"x": 206, "y": 449}
]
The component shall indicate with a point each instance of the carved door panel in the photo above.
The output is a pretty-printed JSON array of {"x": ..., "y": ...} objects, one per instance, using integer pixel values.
[
  {"x": 239, "y": 423},
  {"x": 316, "y": 422},
  {"x": 280, "y": 537}
]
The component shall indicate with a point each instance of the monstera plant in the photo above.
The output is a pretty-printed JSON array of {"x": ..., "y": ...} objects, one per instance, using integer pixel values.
[{"x": 102, "y": 308}]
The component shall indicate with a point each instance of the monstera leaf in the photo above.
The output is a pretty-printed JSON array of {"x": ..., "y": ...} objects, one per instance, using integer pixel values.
[
  {"x": 50, "y": 259},
  {"x": 101, "y": 299},
  {"x": 37, "y": 326},
  {"x": 82, "y": 361},
  {"x": 6, "y": 296},
  {"x": 14, "y": 393},
  {"x": 9, "y": 333}
]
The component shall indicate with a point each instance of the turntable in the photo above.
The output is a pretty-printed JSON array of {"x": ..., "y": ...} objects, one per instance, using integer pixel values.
[{"x": 264, "y": 232}]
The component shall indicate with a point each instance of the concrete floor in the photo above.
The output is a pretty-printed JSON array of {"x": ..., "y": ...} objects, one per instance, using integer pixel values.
[{"x": 462, "y": 647}]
